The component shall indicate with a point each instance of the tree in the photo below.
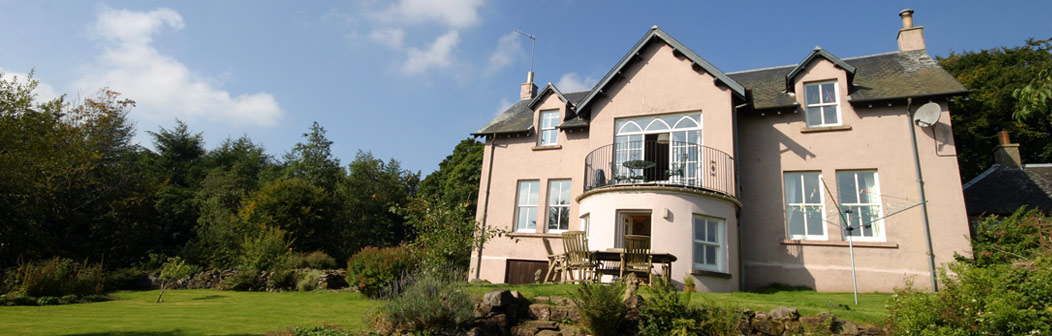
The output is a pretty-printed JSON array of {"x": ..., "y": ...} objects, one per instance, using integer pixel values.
[
  {"x": 313, "y": 161},
  {"x": 173, "y": 269},
  {"x": 178, "y": 166},
  {"x": 457, "y": 179},
  {"x": 993, "y": 75},
  {"x": 372, "y": 188},
  {"x": 1035, "y": 97}
]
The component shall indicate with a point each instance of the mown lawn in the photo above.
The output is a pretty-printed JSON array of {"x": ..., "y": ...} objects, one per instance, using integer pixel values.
[
  {"x": 870, "y": 309},
  {"x": 190, "y": 312},
  {"x": 212, "y": 312}
]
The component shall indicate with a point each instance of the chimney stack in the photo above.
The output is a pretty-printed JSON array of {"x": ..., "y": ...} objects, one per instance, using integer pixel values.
[
  {"x": 1007, "y": 154},
  {"x": 910, "y": 38},
  {"x": 528, "y": 90}
]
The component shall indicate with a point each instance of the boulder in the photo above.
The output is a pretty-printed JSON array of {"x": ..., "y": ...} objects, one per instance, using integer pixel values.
[
  {"x": 539, "y": 311},
  {"x": 785, "y": 314},
  {"x": 498, "y": 298},
  {"x": 845, "y": 327}
]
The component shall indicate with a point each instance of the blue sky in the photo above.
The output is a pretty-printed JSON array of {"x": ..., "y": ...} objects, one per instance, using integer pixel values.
[{"x": 408, "y": 79}]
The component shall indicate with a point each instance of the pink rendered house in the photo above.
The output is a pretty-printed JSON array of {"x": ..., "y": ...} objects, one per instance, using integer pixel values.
[{"x": 749, "y": 178}]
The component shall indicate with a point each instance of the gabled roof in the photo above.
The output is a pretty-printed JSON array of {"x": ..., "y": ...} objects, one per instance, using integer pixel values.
[
  {"x": 549, "y": 88},
  {"x": 1001, "y": 190},
  {"x": 818, "y": 52},
  {"x": 656, "y": 32},
  {"x": 892, "y": 75},
  {"x": 518, "y": 118}
]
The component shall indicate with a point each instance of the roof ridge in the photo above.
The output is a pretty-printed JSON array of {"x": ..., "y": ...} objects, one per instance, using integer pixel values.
[{"x": 795, "y": 64}]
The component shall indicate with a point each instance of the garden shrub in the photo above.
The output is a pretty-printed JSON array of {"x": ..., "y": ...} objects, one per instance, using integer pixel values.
[
  {"x": 266, "y": 250},
  {"x": 324, "y": 330},
  {"x": 602, "y": 308},
  {"x": 372, "y": 268},
  {"x": 313, "y": 260},
  {"x": 430, "y": 304},
  {"x": 308, "y": 281},
  {"x": 997, "y": 299},
  {"x": 668, "y": 312},
  {"x": 57, "y": 277},
  {"x": 1004, "y": 239},
  {"x": 243, "y": 280},
  {"x": 126, "y": 278},
  {"x": 282, "y": 279}
]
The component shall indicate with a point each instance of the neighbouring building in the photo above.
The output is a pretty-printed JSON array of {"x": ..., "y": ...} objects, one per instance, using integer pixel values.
[
  {"x": 1009, "y": 184},
  {"x": 741, "y": 175}
]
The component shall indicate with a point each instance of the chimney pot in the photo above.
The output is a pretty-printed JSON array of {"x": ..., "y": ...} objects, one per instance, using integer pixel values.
[
  {"x": 528, "y": 90},
  {"x": 907, "y": 18},
  {"x": 1002, "y": 136}
]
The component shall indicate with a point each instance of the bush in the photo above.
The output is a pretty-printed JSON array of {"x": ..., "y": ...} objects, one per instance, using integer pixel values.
[
  {"x": 665, "y": 311},
  {"x": 126, "y": 278},
  {"x": 1004, "y": 239},
  {"x": 266, "y": 250},
  {"x": 601, "y": 307},
  {"x": 998, "y": 299},
  {"x": 57, "y": 277},
  {"x": 430, "y": 304},
  {"x": 308, "y": 281},
  {"x": 372, "y": 269},
  {"x": 318, "y": 331},
  {"x": 243, "y": 280},
  {"x": 282, "y": 279},
  {"x": 313, "y": 260}
]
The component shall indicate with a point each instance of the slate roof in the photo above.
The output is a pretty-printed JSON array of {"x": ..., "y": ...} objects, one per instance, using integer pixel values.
[
  {"x": 877, "y": 77},
  {"x": 893, "y": 75},
  {"x": 1001, "y": 190}
]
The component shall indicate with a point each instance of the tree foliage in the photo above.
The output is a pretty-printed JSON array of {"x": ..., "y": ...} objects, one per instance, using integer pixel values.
[{"x": 993, "y": 75}]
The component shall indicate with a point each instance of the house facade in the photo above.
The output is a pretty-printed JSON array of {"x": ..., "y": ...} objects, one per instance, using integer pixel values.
[{"x": 748, "y": 178}]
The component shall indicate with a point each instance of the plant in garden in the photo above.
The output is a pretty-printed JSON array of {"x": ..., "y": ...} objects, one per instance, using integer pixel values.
[
  {"x": 174, "y": 269},
  {"x": 430, "y": 304},
  {"x": 372, "y": 269},
  {"x": 308, "y": 281},
  {"x": 1005, "y": 239},
  {"x": 56, "y": 277},
  {"x": 601, "y": 307}
]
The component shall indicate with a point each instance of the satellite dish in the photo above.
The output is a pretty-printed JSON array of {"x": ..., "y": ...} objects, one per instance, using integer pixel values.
[{"x": 927, "y": 115}]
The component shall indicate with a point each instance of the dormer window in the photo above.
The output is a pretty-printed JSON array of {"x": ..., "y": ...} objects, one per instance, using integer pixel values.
[
  {"x": 549, "y": 133},
  {"x": 823, "y": 109}
]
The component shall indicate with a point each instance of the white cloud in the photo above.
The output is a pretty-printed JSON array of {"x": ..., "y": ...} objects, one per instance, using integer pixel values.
[
  {"x": 390, "y": 37},
  {"x": 452, "y": 13},
  {"x": 503, "y": 105},
  {"x": 163, "y": 87},
  {"x": 509, "y": 48},
  {"x": 572, "y": 82},
  {"x": 44, "y": 92},
  {"x": 438, "y": 55}
]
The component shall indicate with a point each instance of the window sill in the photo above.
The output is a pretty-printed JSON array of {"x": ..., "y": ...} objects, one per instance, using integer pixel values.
[
  {"x": 708, "y": 273},
  {"x": 825, "y": 129},
  {"x": 533, "y": 235},
  {"x": 839, "y": 243},
  {"x": 540, "y": 148}
]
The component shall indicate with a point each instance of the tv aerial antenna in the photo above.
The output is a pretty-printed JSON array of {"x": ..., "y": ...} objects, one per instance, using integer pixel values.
[{"x": 533, "y": 46}]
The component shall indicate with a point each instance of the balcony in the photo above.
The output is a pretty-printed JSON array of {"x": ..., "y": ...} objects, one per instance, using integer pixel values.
[{"x": 662, "y": 163}]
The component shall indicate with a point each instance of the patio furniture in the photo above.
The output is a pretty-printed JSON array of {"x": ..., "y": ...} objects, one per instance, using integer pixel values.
[
  {"x": 636, "y": 257},
  {"x": 555, "y": 262},
  {"x": 611, "y": 256},
  {"x": 578, "y": 258}
]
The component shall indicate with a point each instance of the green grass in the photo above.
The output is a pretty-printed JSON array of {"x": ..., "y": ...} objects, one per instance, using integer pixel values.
[
  {"x": 870, "y": 309},
  {"x": 211, "y": 312},
  {"x": 190, "y": 312}
]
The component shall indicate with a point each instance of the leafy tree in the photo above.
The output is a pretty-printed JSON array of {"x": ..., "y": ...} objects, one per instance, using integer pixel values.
[
  {"x": 302, "y": 209},
  {"x": 174, "y": 269},
  {"x": 993, "y": 75},
  {"x": 457, "y": 179},
  {"x": 371, "y": 189},
  {"x": 1035, "y": 97},
  {"x": 443, "y": 233},
  {"x": 179, "y": 168},
  {"x": 313, "y": 161}
]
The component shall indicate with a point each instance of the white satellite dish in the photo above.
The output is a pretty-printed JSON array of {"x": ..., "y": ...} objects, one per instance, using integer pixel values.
[{"x": 927, "y": 115}]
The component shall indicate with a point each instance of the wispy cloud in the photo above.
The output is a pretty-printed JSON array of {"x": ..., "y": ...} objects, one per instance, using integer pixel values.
[
  {"x": 509, "y": 48},
  {"x": 457, "y": 14},
  {"x": 438, "y": 55},
  {"x": 391, "y": 22},
  {"x": 390, "y": 37},
  {"x": 572, "y": 82},
  {"x": 503, "y": 105},
  {"x": 164, "y": 87}
]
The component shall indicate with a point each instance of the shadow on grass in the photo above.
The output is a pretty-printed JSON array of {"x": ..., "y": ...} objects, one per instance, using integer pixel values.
[
  {"x": 777, "y": 287},
  {"x": 209, "y": 297}
]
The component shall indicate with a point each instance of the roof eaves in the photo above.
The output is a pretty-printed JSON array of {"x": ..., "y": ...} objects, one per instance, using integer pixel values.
[
  {"x": 930, "y": 95},
  {"x": 818, "y": 51},
  {"x": 737, "y": 88}
]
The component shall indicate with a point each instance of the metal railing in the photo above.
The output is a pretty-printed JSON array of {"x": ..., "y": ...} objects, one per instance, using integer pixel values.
[{"x": 670, "y": 163}]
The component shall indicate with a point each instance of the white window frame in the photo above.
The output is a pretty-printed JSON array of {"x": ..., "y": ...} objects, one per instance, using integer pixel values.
[
  {"x": 803, "y": 205},
  {"x": 821, "y": 106},
  {"x": 720, "y": 243},
  {"x": 549, "y": 133},
  {"x": 877, "y": 227},
  {"x": 533, "y": 191},
  {"x": 556, "y": 201},
  {"x": 586, "y": 224}
]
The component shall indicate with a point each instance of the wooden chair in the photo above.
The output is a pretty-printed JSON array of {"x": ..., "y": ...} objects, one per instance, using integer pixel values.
[
  {"x": 555, "y": 262},
  {"x": 636, "y": 257},
  {"x": 578, "y": 257}
]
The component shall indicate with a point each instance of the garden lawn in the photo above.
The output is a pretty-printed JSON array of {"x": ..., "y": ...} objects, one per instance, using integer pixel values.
[
  {"x": 869, "y": 311},
  {"x": 190, "y": 312}
]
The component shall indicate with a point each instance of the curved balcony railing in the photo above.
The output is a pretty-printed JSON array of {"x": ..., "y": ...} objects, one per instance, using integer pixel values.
[{"x": 670, "y": 163}]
